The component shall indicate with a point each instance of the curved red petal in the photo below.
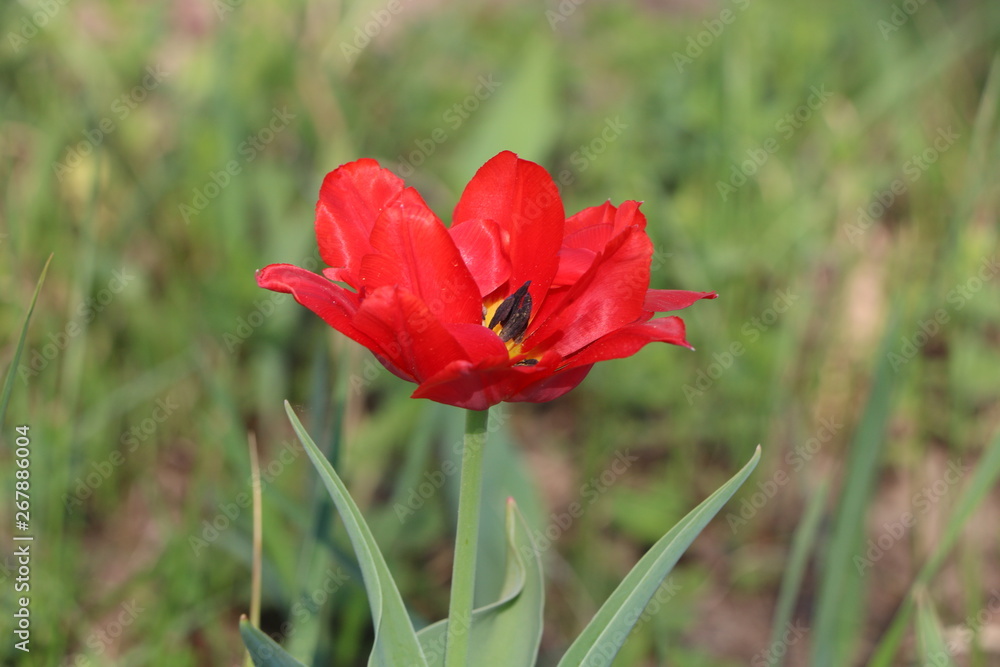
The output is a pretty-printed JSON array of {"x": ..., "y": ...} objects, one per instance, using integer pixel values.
[
  {"x": 350, "y": 201},
  {"x": 413, "y": 249},
  {"x": 573, "y": 263},
  {"x": 523, "y": 200},
  {"x": 551, "y": 387},
  {"x": 479, "y": 384},
  {"x": 627, "y": 341},
  {"x": 481, "y": 244},
  {"x": 481, "y": 345},
  {"x": 407, "y": 333},
  {"x": 336, "y": 305},
  {"x": 617, "y": 218},
  {"x": 661, "y": 300},
  {"x": 608, "y": 297}
]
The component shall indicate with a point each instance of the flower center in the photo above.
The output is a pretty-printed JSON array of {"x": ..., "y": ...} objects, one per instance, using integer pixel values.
[{"x": 511, "y": 316}]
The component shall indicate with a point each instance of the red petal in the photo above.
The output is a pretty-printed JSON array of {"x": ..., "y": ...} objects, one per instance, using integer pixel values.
[
  {"x": 481, "y": 244},
  {"x": 552, "y": 387},
  {"x": 620, "y": 218},
  {"x": 406, "y": 333},
  {"x": 333, "y": 303},
  {"x": 573, "y": 263},
  {"x": 480, "y": 344},
  {"x": 478, "y": 385},
  {"x": 629, "y": 340},
  {"x": 661, "y": 300},
  {"x": 603, "y": 214},
  {"x": 589, "y": 232},
  {"x": 413, "y": 250},
  {"x": 609, "y": 296},
  {"x": 521, "y": 197},
  {"x": 350, "y": 201}
]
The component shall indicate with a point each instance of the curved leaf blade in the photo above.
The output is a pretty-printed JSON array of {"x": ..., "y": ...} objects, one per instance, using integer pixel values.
[
  {"x": 264, "y": 651},
  {"x": 395, "y": 640},
  {"x": 604, "y": 636},
  {"x": 930, "y": 635},
  {"x": 510, "y": 629},
  {"x": 8, "y": 384}
]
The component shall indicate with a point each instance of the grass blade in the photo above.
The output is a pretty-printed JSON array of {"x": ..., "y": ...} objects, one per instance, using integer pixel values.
[
  {"x": 805, "y": 538},
  {"x": 395, "y": 640},
  {"x": 603, "y": 637},
  {"x": 264, "y": 651},
  {"x": 840, "y": 599},
  {"x": 8, "y": 385},
  {"x": 983, "y": 480}
]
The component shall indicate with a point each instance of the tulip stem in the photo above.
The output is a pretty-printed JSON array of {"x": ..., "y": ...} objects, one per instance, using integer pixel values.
[{"x": 463, "y": 577}]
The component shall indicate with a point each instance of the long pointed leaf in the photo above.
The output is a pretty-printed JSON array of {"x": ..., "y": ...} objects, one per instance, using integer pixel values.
[
  {"x": 933, "y": 649},
  {"x": 8, "y": 384},
  {"x": 603, "y": 637},
  {"x": 264, "y": 651},
  {"x": 839, "y": 609},
  {"x": 984, "y": 477},
  {"x": 795, "y": 567},
  {"x": 395, "y": 640},
  {"x": 509, "y": 630}
]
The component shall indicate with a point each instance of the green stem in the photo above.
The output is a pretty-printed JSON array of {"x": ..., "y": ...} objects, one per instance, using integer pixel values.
[{"x": 463, "y": 576}]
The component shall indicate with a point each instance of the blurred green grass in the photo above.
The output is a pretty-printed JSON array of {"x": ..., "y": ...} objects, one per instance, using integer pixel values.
[{"x": 219, "y": 122}]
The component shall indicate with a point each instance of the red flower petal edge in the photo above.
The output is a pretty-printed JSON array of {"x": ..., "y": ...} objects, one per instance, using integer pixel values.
[{"x": 514, "y": 302}]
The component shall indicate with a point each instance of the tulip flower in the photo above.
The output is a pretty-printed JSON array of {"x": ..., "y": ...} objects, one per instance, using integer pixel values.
[{"x": 512, "y": 302}]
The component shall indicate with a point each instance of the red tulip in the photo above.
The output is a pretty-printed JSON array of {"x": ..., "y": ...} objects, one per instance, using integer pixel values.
[{"x": 513, "y": 302}]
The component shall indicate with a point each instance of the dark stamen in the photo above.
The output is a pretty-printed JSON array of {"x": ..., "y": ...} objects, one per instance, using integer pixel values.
[
  {"x": 513, "y": 314},
  {"x": 527, "y": 362}
]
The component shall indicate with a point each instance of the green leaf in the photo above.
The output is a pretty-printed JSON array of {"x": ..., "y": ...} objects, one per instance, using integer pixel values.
[
  {"x": 933, "y": 649},
  {"x": 839, "y": 606},
  {"x": 395, "y": 640},
  {"x": 984, "y": 479},
  {"x": 264, "y": 651},
  {"x": 603, "y": 637},
  {"x": 510, "y": 629},
  {"x": 795, "y": 567},
  {"x": 8, "y": 384}
]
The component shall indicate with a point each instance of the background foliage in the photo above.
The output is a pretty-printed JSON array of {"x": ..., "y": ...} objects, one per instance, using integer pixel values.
[{"x": 830, "y": 169}]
